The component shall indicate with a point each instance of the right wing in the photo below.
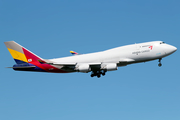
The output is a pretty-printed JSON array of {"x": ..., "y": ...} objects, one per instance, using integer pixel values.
[{"x": 87, "y": 67}]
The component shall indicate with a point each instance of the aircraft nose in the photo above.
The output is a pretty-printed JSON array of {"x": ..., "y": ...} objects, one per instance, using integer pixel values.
[{"x": 171, "y": 49}]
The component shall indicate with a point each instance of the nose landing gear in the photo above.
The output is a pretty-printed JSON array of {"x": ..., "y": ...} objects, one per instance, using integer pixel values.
[{"x": 160, "y": 64}]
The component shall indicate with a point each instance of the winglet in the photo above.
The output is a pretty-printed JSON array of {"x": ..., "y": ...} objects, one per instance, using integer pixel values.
[{"x": 74, "y": 53}]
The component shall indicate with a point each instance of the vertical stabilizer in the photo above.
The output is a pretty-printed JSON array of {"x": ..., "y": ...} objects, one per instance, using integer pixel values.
[{"x": 21, "y": 54}]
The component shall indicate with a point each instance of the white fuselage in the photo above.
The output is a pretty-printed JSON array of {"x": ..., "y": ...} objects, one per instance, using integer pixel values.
[
  {"x": 129, "y": 54},
  {"x": 97, "y": 63}
]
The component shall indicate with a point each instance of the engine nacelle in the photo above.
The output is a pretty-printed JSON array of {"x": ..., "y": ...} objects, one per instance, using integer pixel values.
[
  {"x": 83, "y": 68},
  {"x": 109, "y": 66}
]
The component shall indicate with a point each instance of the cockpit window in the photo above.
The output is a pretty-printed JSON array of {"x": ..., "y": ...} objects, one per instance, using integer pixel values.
[{"x": 162, "y": 43}]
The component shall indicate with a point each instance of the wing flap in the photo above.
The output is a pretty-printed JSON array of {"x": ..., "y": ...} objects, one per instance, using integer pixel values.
[
  {"x": 126, "y": 60},
  {"x": 72, "y": 64},
  {"x": 62, "y": 64}
]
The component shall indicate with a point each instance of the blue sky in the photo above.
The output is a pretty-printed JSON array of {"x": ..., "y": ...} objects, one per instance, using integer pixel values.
[{"x": 51, "y": 29}]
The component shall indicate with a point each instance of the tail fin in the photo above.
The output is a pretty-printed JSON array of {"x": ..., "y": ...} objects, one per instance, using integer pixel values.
[
  {"x": 21, "y": 54},
  {"x": 74, "y": 53}
]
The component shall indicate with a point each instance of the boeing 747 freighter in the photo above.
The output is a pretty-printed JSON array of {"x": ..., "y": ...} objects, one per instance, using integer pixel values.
[{"x": 97, "y": 63}]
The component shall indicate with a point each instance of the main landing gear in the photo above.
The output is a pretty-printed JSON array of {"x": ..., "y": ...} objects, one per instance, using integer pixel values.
[
  {"x": 98, "y": 73},
  {"x": 160, "y": 64}
]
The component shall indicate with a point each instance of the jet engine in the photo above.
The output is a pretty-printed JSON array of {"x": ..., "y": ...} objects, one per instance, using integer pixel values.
[
  {"x": 83, "y": 68},
  {"x": 109, "y": 66}
]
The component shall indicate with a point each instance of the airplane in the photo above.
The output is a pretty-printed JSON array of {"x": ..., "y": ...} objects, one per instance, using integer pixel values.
[{"x": 97, "y": 63}]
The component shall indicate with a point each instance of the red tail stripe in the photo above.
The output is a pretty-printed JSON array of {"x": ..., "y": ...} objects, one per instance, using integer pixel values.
[{"x": 33, "y": 59}]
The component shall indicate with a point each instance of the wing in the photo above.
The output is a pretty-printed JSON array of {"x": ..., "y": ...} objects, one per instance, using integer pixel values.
[
  {"x": 77, "y": 67},
  {"x": 74, "y": 53},
  {"x": 87, "y": 67}
]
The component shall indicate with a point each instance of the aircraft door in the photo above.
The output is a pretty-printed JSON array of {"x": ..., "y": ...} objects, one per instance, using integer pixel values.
[{"x": 138, "y": 47}]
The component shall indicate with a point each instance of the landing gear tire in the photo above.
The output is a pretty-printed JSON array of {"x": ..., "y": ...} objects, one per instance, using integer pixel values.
[
  {"x": 92, "y": 75},
  {"x": 159, "y": 64},
  {"x": 103, "y": 74},
  {"x": 99, "y": 75}
]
